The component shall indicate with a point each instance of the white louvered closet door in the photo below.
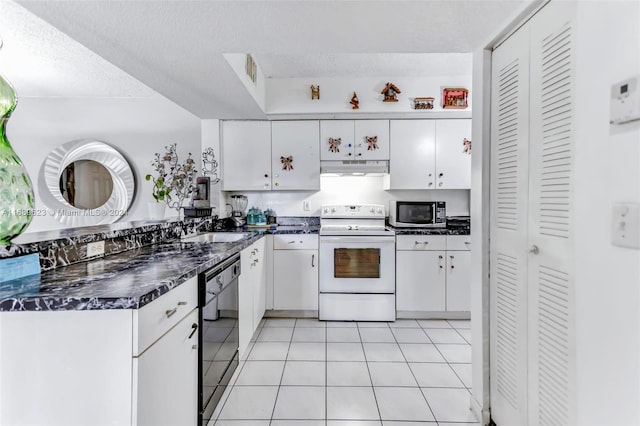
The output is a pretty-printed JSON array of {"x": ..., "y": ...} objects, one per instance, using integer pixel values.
[
  {"x": 532, "y": 350},
  {"x": 551, "y": 282},
  {"x": 509, "y": 218}
]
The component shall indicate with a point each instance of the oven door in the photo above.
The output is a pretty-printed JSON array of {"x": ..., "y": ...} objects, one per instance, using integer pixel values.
[{"x": 357, "y": 264}]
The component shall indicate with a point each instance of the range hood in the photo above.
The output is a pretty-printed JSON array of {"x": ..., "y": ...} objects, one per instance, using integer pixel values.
[{"x": 355, "y": 167}]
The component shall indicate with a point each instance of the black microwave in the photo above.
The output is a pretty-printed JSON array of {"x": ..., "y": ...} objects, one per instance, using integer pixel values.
[{"x": 418, "y": 214}]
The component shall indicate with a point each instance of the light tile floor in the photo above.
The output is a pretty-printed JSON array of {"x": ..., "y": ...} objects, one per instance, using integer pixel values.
[{"x": 314, "y": 373}]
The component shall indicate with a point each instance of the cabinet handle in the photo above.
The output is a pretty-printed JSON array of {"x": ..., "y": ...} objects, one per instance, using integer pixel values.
[
  {"x": 440, "y": 184},
  {"x": 440, "y": 261},
  {"x": 452, "y": 266},
  {"x": 467, "y": 242},
  {"x": 194, "y": 347},
  {"x": 440, "y": 174},
  {"x": 292, "y": 242},
  {"x": 534, "y": 249},
  {"x": 424, "y": 242},
  {"x": 170, "y": 312},
  {"x": 194, "y": 328},
  {"x": 182, "y": 303},
  {"x": 430, "y": 183},
  {"x": 313, "y": 258}
]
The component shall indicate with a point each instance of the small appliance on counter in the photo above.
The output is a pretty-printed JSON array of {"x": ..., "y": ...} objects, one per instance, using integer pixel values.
[
  {"x": 417, "y": 214},
  {"x": 272, "y": 219},
  {"x": 238, "y": 207},
  {"x": 458, "y": 222}
]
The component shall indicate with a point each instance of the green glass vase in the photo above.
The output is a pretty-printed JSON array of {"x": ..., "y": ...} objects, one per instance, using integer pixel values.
[{"x": 16, "y": 191}]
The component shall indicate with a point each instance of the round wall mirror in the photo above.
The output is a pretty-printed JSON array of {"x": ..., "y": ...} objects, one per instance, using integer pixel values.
[{"x": 86, "y": 182}]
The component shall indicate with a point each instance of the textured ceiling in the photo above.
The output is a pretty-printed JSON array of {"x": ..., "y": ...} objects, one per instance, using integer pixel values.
[
  {"x": 176, "y": 47},
  {"x": 41, "y": 61}
]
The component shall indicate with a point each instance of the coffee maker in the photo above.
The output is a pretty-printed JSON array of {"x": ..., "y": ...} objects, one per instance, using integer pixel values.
[{"x": 238, "y": 207}]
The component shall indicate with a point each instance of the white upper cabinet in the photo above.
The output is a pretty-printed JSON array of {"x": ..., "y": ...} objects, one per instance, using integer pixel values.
[
  {"x": 246, "y": 155},
  {"x": 430, "y": 154},
  {"x": 295, "y": 156},
  {"x": 354, "y": 140},
  {"x": 336, "y": 140},
  {"x": 453, "y": 159},
  {"x": 371, "y": 140},
  {"x": 413, "y": 160}
]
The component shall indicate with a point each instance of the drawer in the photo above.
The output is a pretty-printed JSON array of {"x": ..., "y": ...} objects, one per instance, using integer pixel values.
[
  {"x": 458, "y": 242},
  {"x": 295, "y": 242},
  {"x": 153, "y": 320},
  {"x": 421, "y": 242}
]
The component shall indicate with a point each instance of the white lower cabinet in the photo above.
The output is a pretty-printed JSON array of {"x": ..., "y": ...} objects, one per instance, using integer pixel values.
[
  {"x": 251, "y": 292},
  {"x": 431, "y": 278},
  {"x": 167, "y": 379},
  {"x": 295, "y": 272},
  {"x": 102, "y": 367},
  {"x": 458, "y": 280},
  {"x": 420, "y": 281}
]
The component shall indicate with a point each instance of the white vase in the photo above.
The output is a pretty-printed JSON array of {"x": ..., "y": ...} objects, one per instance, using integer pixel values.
[{"x": 156, "y": 210}]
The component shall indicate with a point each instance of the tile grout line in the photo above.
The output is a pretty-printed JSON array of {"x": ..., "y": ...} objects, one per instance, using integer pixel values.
[
  {"x": 366, "y": 362},
  {"x": 284, "y": 366},
  {"x": 412, "y": 373}
]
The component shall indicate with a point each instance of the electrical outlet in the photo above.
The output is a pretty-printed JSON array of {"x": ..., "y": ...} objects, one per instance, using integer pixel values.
[
  {"x": 95, "y": 249},
  {"x": 305, "y": 206}
]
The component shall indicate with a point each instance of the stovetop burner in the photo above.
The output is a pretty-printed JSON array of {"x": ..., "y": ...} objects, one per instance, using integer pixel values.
[{"x": 353, "y": 219}]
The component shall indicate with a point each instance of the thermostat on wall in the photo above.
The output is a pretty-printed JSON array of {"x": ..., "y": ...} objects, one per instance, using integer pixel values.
[{"x": 625, "y": 101}]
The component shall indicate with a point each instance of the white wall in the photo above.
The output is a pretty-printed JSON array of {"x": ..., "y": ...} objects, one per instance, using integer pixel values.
[
  {"x": 607, "y": 167},
  {"x": 136, "y": 127},
  {"x": 293, "y": 95},
  {"x": 351, "y": 189}
]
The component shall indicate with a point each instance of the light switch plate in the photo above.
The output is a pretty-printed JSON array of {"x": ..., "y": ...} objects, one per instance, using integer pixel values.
[{"x": 625, "y": 225}]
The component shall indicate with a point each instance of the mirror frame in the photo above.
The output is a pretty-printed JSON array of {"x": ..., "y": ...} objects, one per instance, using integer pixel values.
[{"x": 87, "y": 149}]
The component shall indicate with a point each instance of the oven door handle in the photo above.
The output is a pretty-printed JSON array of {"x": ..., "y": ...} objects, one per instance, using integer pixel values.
[{"x": 364, "y": 239}]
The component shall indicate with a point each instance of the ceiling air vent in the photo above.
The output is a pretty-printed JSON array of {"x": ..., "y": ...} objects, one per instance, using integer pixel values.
[{"x": 250, "y": 68}]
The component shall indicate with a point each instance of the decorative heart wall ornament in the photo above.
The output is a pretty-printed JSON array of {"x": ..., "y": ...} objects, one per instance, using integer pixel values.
[
  {"x": 466, "y": 143},
  {"x": 286, "y": 163},
  {"x": 334, "y": 144},
  {"x": 372, "y": 143}
]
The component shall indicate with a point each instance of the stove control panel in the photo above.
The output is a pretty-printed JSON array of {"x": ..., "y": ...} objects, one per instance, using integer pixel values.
[{"x": 353, "y": 211}]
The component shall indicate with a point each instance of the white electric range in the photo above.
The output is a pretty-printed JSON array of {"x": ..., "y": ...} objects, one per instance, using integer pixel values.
[{"x": 357, "y": 264}]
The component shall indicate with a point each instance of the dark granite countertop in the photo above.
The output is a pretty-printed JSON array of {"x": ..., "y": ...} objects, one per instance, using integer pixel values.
[
  {"x": 429, "y": 231},
  {"x": 127, "y": 280}
]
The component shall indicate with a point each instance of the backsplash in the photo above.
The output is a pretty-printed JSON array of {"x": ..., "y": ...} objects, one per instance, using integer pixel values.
[{"x": 66, "y": 247}]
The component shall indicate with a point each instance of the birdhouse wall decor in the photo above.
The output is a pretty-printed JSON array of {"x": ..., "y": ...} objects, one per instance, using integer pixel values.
[
  {"x": 423, "y": 103},
  {"x": 454, "y": 98},
  {"x": 355, "y": 103},
  {"x": 390, "y": 93},
  {"x": 315, "y": 92}
]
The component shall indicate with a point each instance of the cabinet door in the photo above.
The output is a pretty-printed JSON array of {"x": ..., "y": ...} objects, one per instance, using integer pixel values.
[
  {"x": 378, "y": 150},
  {"x": 295, "y": 155},
  {"x": 246, "y": 154},
  {"x": 342, "y": 131},
  {"x": 413, "y": 161},
  {"x": 458, "y": 280},
  {"x": 260, "y": 282},
  {"x": 420, "y": 281},
  {"x": 295, "y": 279},
  {"x": 167, "y": 377},
  {"x": 453, "y": 161},
  {"x": 245, "y": 300}
]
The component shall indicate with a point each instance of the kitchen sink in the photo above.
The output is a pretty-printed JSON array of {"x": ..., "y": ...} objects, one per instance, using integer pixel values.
[{"x": 215, "y": 237}]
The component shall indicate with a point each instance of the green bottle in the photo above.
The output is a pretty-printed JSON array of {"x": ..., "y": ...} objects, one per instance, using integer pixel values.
[{"x": 16, "y": 191}]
